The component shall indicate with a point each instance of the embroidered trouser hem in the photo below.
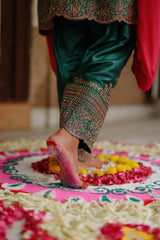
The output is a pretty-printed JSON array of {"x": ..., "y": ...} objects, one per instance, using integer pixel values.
[{"x": 83, "y": 110}]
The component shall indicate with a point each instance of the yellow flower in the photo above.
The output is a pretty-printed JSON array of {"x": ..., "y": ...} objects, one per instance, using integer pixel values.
[
  {"x": 131, "y": 233},
  {"x": 51, "y": 164},
  {"x": 133, "y": 163},
  {"x": 52, "y": 159},
  {"x": 114, "y": 158},
  {"x": 122, "y": 160},
  {"x": 121, "y": 168},
  {"x": 101, "y": 156},
  {"x": 107, "y": 157},
  {"x": 128, "y": 167},
  {"x": 98, "y": 172},
  {"x": 54, "y": 168},
  {"x": 111, "y": 170},
  {"x": 82, "y": 171}
]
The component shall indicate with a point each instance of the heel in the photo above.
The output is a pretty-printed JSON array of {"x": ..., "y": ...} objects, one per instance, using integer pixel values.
[{"x": 66, "y": 175}]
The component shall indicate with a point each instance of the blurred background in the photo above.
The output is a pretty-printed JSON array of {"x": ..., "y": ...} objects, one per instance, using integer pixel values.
[{"x": 28, "y": 91}]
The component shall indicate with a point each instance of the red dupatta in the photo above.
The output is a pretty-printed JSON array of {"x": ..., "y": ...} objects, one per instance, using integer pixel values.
[
  {"x": 147, "y": 49},
  {"x": 51, "y": 52}
]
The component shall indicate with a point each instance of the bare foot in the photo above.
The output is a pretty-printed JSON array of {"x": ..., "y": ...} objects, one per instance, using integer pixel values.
[
  {"x": 64, "y": 147},
  {"x": 91, "y": 162},
  {"x": 88, "y": 160}
]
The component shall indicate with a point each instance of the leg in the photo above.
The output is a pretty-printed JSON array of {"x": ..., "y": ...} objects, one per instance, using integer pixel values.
[
  {"x": 86, "y": 99},
  {"x": 70, "y": 43},
  {"x": 69, "y": 55},
  {"x": 87, "y": 96}
]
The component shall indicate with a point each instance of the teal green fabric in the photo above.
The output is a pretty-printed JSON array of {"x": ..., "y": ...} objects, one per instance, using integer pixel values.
[{"x": 92, "y": 51}]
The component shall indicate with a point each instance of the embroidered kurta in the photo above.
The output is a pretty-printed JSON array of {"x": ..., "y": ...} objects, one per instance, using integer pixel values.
[{"x": 102, "y": 11}]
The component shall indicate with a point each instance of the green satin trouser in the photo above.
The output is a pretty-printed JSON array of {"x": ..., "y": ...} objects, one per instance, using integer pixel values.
[{"x": 90, "y": 57}]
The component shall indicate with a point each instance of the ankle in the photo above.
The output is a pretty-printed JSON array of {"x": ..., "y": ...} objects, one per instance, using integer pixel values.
[
  {"x": 64, "y": 137},
  {"x": 72, "y": 141}
]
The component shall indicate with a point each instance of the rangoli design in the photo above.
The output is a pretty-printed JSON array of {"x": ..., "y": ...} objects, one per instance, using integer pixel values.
[
  {"x": 121, "y": 208},
  {"x": 18, "y": 173}
]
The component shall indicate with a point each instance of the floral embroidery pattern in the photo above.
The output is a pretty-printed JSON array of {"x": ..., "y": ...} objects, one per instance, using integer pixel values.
[
  {"x": 83, "y": 110},
  {"x": 104, "y": 11}
]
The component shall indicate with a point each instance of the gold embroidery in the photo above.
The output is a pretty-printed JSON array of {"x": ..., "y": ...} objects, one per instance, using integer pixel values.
[{"x": 104, "y": 11}]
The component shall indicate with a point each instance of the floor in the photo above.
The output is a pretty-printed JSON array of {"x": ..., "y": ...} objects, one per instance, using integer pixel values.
[
  {"x": 128, "y": 124},
  {"x": 136, "y": 124}
]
